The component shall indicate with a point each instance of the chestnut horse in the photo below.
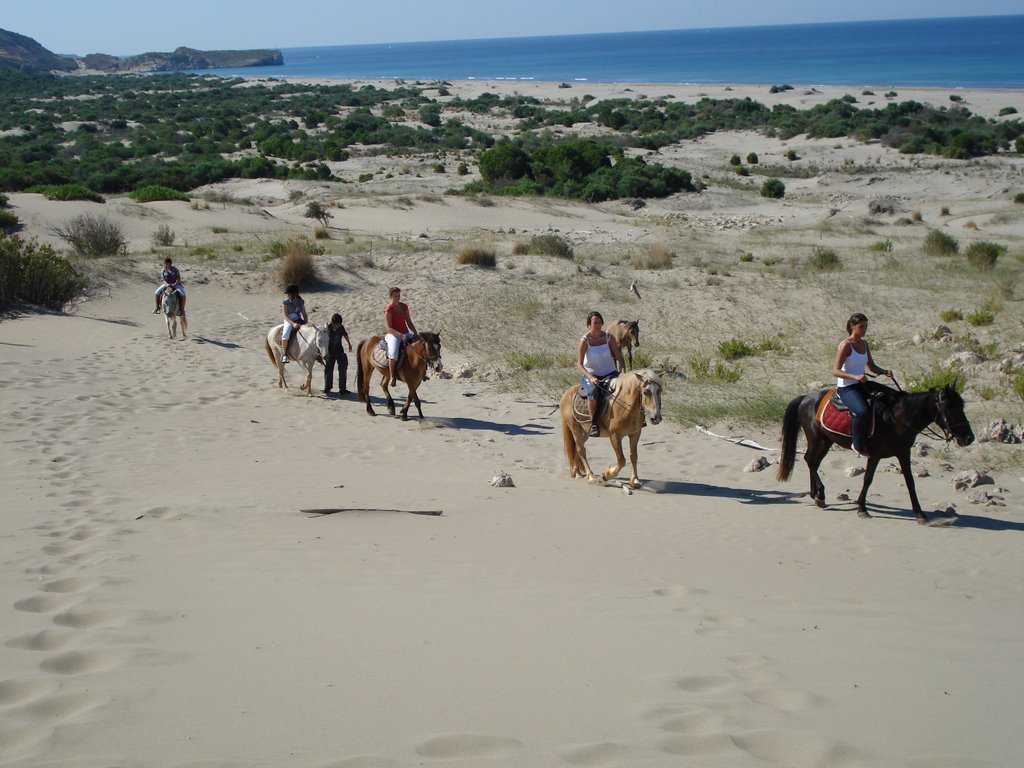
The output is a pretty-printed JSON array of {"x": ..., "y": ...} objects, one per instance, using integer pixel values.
[
  {"x": 631, "y": 396},
  {"x": 897, "y": 425},
  {"x": 417, "y": 356},
  {"x": 627, "y": 333}
]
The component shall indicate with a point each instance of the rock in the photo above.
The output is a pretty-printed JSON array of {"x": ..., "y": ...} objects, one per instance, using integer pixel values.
[
  {"x": 854, "y": 471},
  {"x": 987, "y": 498},
  {"x": 756, "y": 465},
  {"x": 501, "y": 480},
  {"x": 890, "y": 467},
  {"x": 963, "y": 358},
  {"x": 921, "y": 472},
  {"x": 843, "y": 497},
  {"x": 970, "y": 478},
  {"x": 921, "y": 450},
  {"x": 1001, "y": 431}
]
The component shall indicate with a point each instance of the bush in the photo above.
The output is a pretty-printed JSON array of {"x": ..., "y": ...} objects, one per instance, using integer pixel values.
[
  {"x": 939, "y": 244},
  {"x": 983, "y": 254},
  {"x": 8, "y": 220},
  {"x": 37, "y": 275},
  {"x": 982, "y": 317},
  {"x": 66, "y": 192},
  {"x": 882, "y": 246},
  {"x": 791, "y": 155},
  {"x": 773, "y": 188},
  {"x": 321, "y": 233},
  {"x": 949, "y": 315},
  {"x": 780, "y": 88},
  {"x": 1018, "y": 384},
  {"x": 3, "y": 199},
  {"x": 478, "y": 257},
  {"x": 752, "y": 158},
  {"x": 316, "y": 210},
  {"x": 152, "y": 194},
  {"x": 1019, "y": 198},
  {"x": 735, "y": 348},
  {"x": 1007, "y": 111},
  {"x": 297, "y": 265},
  {"x": 937, "y": 378},
  {"x": 93, "y": 236},
  {"x": 550, "y": 245},
  {"x": 163, "y": 235},
  {"x": 463, "y": 169},
  {"x": 658, "y": 257},
  {"x": 528, "y": 361},
  {"x": 735, "y": 160},
  {"x": 702, "y": 370},
  {"x": 824, "y": 260}
]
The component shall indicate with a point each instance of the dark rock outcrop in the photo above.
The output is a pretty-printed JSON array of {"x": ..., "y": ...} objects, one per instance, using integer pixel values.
[{"x": 26, "y": 54}]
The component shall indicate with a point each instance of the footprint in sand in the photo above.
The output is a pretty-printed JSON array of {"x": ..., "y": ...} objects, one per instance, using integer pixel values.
[
  {"x": 784, "y": 700},
  {"x": 46, "y": 640},
  {"x": 698, "y": 745},
  {"x": 467, "y": 745},
  {"x": 70, "y": 585},
  {"x": 799, "y": 750},
  {"x": 84, "y": 662},
  {"x": 44, "y": 603},
  {"x": 704, "y": 684},
  {"x": 700, "y": 722},
  {"x": 20, "y": 691},
  {"x": 21, "y": 739},
  {"x": 61, "y": 706},
  {"x": 599, "y": 754}
]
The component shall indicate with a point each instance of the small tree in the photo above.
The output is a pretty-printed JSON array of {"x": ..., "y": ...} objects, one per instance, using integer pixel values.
[
  {"x": 316, "y": 210},
  {"x": 773, "y": 188}
]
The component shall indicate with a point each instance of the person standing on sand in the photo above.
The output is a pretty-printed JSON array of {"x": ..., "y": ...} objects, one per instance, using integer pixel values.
[
  {"x": 170, "y": 277},
  {"x": 853, "y": 360},
  {"x": 599, "y": 359},
  {"x": 293, "y": 310},
  {"x": 336, "y": 355},
  {"x": 400, "y": 328}
]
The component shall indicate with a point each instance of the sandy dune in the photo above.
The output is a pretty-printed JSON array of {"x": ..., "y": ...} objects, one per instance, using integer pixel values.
[{"x": 167, "y": 602}]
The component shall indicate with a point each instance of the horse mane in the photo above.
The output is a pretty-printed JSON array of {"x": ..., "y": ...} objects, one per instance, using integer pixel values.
[{"x": 626, "y": 384}]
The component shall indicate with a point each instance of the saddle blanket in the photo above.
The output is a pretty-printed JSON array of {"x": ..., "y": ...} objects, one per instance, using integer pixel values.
[
  {"x": 379, "y": 356},
  {"x": 836, "y": 421}
]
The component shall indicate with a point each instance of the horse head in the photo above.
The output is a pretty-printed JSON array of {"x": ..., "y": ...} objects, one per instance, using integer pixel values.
[
  {"x": 432, "y": 350},
  {"x": 950, "y": 416},
  {"x": 650, "y": 395},
  {"x": 634, "y": 331},
  {"x": 320, "y": 340}
]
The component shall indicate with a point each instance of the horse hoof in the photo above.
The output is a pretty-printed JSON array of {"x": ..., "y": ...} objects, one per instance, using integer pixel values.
[
  {"x": 405, "y": 417},
  {"x": 819, "y": 502},
  {"x": 864, "y": 513}
]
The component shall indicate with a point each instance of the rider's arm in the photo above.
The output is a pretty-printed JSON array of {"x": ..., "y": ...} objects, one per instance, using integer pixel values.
[
  {"x": 877, "y": 369},
  {"x": 579, "y": 360},
  {"x": 408, "y": 320}
]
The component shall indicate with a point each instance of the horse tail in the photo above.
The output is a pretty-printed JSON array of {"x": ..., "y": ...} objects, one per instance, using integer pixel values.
[
  {"x": 360, "y": 376},
  {"x": 790, "y": 429},
  {"x": 569, "y": 441},
  {"x": 270, "y": 353}
]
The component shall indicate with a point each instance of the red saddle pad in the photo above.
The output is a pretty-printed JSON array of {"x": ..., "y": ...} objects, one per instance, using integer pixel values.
[{"x": 833, "y": 420}]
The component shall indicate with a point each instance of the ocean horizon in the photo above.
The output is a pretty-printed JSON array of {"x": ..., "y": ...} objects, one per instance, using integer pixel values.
[{"x": 967, "y": 52}]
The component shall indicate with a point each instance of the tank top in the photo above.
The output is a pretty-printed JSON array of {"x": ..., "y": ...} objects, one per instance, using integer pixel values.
[
  {"x": 855, "y": 364},
  {"x": 598, "y": 358}
]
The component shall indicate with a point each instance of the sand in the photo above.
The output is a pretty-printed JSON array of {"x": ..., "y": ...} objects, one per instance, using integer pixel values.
[{"x": 166, "y": 600}]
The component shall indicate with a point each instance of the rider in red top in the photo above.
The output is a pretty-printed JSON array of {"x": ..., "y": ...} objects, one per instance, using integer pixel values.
[{"x": 400, "y": 327}]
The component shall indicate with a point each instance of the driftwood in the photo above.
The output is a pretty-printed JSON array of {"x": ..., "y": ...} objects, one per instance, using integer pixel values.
[{"x": 324, "y": 511}]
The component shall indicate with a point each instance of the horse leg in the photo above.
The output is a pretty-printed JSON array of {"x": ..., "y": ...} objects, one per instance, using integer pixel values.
[
  {"x": 405, "y": 409},
  {"x": 869, "y": 475},
  {"x": 620, "y": 459},
  {"x": 629, "y": 349},
  {"x": 387, "y": 393},
  {"x": 908, "y": 477},
  {"x": 184, "y": 327},
  {"x": 814, "y": 455},
  {"x": 634, "y": 440},
  {"x": 416, "y": 399},
  {"x": 364, "y": 386}
]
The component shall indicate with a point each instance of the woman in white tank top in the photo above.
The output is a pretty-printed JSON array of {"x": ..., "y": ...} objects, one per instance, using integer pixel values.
[
  {"x": 853, "y": 360},
  {"x": 598, "y": 357}
]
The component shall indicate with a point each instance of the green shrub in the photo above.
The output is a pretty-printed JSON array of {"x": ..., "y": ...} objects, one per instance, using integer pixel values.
[
  {"x": 1019, "y": 198},
  {"x": 463, "y": 169},
  {"x": 297, "y": 264},
  {"x": 550, "y": 245},
  {"x": 36, "y": 274},
  {"x": 701, "y": 369},
  {"x": 735, "y": 348},
  {"x": 93, "y": 236},
  {"x": 983, "y": 254},
  {"x": 365, "y": 177},
  {"x": 981, "y": 317},
  {"x": 1018, "y": 384},
  {"x": 938, "y": 243},
  {"x": 152, "y": 194},
  {"x": 317, "y": 211},
  {"x": 735, "y": 160},
  {"x": 936, "y": 378},
  {"x": 1007, "y": 111},
  {"x": 949, "y": 315},
  {"x": 780, "y": 88},
  {"x": 438, "y": 167},
  {"x": 66, "y": 192},
  {"x": 478, "y": 257},
  {"x": 791, "y": 155},
  {"x": 163, "y": 235},
  {"x": 742, "y": 170},
  {"x": 773, "y": 188},
  {"x": 824, "y": 260},
  {"x": 3, "y": 199},
  {"x": 8, "y": 220},
  {"x": 882, "y": 246},
  {"x": 752, "y": 158},
  {"x": 746, "y": 257}
]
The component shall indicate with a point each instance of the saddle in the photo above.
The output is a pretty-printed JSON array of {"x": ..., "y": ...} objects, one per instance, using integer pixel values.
[
  {"x": 835, "y": 417},
  {"x": 379, "y": 356},
  {"x": 580, "y": 409}
]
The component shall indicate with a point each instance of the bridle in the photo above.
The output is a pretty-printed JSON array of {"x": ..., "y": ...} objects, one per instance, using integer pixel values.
[
  {"x": 949, "y": 429},
  {"x": 432, "y": 354}
]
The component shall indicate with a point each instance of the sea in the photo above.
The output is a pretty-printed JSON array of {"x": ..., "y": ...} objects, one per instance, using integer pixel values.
[{"x": 970, "y": 52}]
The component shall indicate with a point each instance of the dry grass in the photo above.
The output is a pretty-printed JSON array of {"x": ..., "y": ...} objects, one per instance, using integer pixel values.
[
  {"x": 478, "y": 257},
  {"x": 297, "y": 264}
]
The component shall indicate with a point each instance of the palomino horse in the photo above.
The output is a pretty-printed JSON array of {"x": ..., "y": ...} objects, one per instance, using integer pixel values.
[
  {"x": 627, "y": 333},
  {"x": 170, "y": 303},
  {"x": 630, "y": 398},
  {"x": 307, "y": 346},
  {"x": 897, "y": 425},
  {"x": 418, "y": 355}
]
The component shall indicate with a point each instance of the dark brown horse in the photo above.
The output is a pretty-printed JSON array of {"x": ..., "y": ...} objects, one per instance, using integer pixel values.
[
  {"x": 418, "y": 355},
  {"x": 897, "y": 425}
]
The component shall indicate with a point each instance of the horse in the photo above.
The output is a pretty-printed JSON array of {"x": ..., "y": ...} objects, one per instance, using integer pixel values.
[
  {"x": 897, "y": 425},
  {"x": 631, "y": 397},
  {"x": 307, "y": 346},
  {"x": 627, "y": 333},
  {"x": 416, "y": 357},
  {"x": 170, "y": 303}
]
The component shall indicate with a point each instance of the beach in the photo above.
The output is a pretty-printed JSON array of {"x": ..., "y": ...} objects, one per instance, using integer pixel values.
[{"x": 201, "y": 569}]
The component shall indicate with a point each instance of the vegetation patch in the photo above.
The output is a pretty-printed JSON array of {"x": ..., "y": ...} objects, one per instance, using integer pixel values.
[
  {"x": 153, "y": 194},
  {"x": 938, "y": 243},
  {"x": 983, "y": 254},
  {"x": 93, "y": 236},
  {"x": 36, "y": 274},
  {"x": 478, "y": 257},
  {"x": 66, "y": 192}
]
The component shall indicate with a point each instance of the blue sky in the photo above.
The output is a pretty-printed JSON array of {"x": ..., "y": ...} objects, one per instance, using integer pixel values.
[{"x": 136, "y": 26}]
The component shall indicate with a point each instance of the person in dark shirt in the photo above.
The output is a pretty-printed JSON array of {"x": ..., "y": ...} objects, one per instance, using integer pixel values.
[{"x": 336, "y": 333}]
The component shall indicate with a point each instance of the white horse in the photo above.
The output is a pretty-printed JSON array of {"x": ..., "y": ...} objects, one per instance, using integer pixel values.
[
  {"x": 170, "y": 302},
  {"x": 307, "y": 346}
]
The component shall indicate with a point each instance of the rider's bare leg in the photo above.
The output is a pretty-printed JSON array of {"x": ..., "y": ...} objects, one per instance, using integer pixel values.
[{"x": 392, "y": 364}]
